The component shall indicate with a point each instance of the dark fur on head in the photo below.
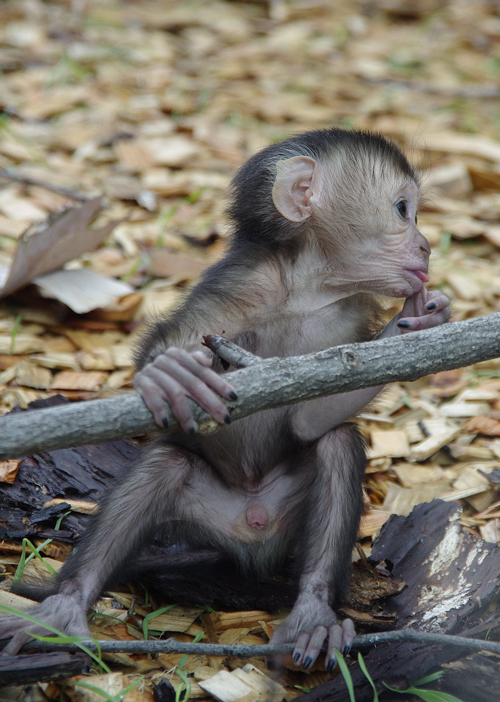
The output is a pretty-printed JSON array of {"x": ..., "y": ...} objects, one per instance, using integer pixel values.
[{"x": 251, "y": 208}]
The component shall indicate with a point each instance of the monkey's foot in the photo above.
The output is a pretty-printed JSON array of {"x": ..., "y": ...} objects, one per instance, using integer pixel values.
[
  {"x": 62, "y": 612},
  {"x": 308, "y": 626}
]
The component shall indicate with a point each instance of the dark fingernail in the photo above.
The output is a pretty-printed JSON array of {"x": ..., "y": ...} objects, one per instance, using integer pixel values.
[
  {"x": 232, "y": 395},
  {"x": 227, "y": 419},
  {"x": 164, "y": 421},
  {"x": 346, "y": 649},
  {"x": 307, "y": 662},
  {"x": 404, "y": 324},
  {"x": 331, "y": 664},
  {"x": 271, "y": 665},
  {"x": 192, "y": 428},
  {"x": 296, "y": 657},
  {"x": 431, "y": 305}
]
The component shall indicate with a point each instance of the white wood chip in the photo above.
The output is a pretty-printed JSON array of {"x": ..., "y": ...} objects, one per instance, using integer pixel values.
[
  {"x": 464, "y": 409},
  {"x": 393, "y": 443},
  {"x": 226, "y": 687},
  {"x": 426, "y": 448}
]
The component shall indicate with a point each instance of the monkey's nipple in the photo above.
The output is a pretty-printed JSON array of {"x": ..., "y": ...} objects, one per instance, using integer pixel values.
[{"x": 257, "y": 517}]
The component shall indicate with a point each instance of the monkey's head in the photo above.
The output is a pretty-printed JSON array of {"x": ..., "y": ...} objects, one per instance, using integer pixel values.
[{"x": 353, "y": 194}]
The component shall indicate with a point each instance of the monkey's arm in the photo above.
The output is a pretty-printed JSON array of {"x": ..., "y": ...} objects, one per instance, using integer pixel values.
[
  {"x": 311, "y": 420},
  {"x": 171, "y": 362}
]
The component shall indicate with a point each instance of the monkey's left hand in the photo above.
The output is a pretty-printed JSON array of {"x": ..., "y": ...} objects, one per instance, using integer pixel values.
[
  {"x": 424, "y": 310},
  {"x": 309, "y": 624}
]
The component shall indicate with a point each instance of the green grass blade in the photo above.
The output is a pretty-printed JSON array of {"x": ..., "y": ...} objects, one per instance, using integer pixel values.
[
  {"x": 152, "y": 615},
  {"x": 345, "y": 674},
  {"x": 63, "y": 638},
  {"x": 429, "y": 678},
  {"x": 363, "y": 667}
]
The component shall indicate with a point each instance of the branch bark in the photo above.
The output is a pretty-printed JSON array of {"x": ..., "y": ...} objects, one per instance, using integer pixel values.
[
  {"x": 248, "y": 651},
  {"x": 266, "y": 384}
]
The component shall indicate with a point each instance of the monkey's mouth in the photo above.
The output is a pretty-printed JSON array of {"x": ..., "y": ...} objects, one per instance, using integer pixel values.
[{"x": 420, "y": 275}]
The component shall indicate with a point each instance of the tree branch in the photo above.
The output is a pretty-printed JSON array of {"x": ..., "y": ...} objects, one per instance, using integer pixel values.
[
  {"x": 248, "y": 651},
  {"x": 269, "y": 383}
]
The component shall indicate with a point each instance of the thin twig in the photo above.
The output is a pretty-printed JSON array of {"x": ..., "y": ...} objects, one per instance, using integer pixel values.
[
  {"x": 229, "y": 352},
  {"x": 11, "y": 175},
  {"x": 241, "y": 651}
]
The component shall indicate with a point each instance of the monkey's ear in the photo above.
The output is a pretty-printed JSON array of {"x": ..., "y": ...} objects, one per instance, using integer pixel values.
[{"x": 292, "y": 189}]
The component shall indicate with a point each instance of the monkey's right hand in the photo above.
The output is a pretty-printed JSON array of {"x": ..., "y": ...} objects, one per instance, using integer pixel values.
[
  {"x": 62, "y": 612},
  {"x": 176, "y": 375}
]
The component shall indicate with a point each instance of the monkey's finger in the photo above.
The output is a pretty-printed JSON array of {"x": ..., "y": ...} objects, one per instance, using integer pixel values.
[
  {"x": 335, "y": 641},
  {"x": 300, "y": 649},
  {"x": 202, "y": 358},
  {"x": 436, "y": 300},
  {"x": 153, "y": 397},
  {"x": 200, "y": 369},
  {"x": 427, "y": 321},
  {"x": 176, "y": 396},
  {"x": 171, "y": 376},
  {"x": 280, "y": 636},
  {"x": 349, "y": 632},
  {"x": 314, "y": 646}
]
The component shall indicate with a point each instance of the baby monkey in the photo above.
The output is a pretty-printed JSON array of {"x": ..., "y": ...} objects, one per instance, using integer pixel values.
[{"x": 324, "y": 222}]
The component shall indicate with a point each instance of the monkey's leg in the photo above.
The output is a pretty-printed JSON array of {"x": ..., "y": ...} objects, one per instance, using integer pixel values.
[
  {"x": 150, "y": 495},
  {"x": 334, "y": 507}
]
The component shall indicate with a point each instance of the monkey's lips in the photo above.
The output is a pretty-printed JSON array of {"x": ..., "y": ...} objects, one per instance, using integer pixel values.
[{"x": 420, "y": 275}]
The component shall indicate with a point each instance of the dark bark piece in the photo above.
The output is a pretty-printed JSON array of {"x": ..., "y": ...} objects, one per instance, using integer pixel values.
[
  {"x": 452, "y": 579},
  {"x": 164, "y": 692},
  {"x": 273, "y": 382},
  {"x": 82, "y": 473},
  {"x": 462, "y": 678},
  {"x": 40, "y": 667}
]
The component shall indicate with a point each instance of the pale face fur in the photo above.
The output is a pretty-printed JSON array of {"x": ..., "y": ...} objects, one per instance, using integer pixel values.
[{"x": 364, "y": 217}]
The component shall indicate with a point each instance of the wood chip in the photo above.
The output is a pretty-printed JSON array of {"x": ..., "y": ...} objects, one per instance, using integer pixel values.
[
  {"x": 464, "y": 409},
  {"x": 90, "y": 341},
  {"x": 56, "y": 361},
  {"x": 122, "y": 356},
  {"x": 22, "y": 344},
  {"x": 33, "y": 376},
  {"x": 80, "y": 506},
  {"x": 232, "y": 636},
  {"x": 38, "y": 570},
  {"x": 110, "y": 685},
  {"x": 10, "y": 600},
  {"x": 72, "y": 380},
  {"x": 426, "y": 448},
  {"x": 403, "y": 500},
  {"x": 220, "y": 621},
  {"x": 412, "y": 474},
  {"x": 393, "y": 443},
  {"x": 491, "y": 531},
  {"x": 483, "y": 425},
  {"x": 472, "y": 476},
  {"x": 8, "y": 470},
  {"x": 177, "y": 619},
  {"x": 98, "y": 359},
  {"x": 246, "y": 684},
  {"x": 372, "y": 522}
]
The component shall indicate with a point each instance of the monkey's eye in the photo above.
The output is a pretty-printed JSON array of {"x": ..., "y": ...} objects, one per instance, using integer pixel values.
[{"x": 402, "y": 208}]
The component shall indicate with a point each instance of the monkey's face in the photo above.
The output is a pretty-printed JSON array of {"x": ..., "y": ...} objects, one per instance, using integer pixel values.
[
  {"x": 363, "y": 213},
  {"x": 384, "y": 252},
  {"x": 397, "y": 252}
]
